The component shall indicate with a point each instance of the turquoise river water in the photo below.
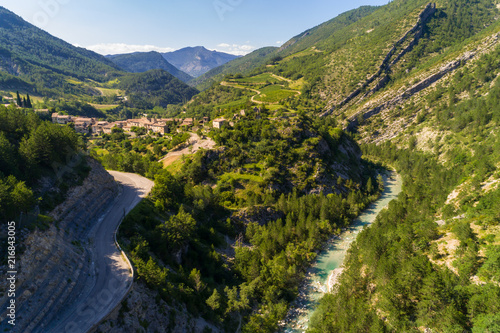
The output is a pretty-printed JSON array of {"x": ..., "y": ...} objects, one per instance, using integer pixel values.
[{"x": 327, "y": 267}]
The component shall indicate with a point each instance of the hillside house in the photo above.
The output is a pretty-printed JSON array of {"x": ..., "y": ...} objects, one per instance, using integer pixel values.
[
  {"x": 161, "y": 128},
  {"x": 218, "y": 123},
  {"x": 188, "y": 122},
  {"x": 63, "y": 119},
  {"x": 82, "y": 125}
]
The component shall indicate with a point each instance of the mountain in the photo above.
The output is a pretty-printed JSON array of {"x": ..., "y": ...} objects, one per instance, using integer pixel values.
[
  {"x": 155, "y": 88},
  {"x": 417, "y": 84},
  {"x": 228, "y": 234},
  {"x": 33, "y": 61},
  {"x": 245, "y": 65},
  {"x": 42, "y": 60},
  {"x": 326, "y": 33},
  {"x": 139, "y": 62},
  {"x": 197, "y": 60}
]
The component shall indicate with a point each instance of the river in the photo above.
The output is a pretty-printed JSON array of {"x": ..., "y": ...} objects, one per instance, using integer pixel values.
[{"x": 329, "y": 262}]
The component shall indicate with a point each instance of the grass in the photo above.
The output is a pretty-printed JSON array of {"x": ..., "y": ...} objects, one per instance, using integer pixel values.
[
  {"x": 110, "y": 92},
  {"x": 175, "y": 166},
  {"x": 75, "y": 82},
  {"x": 298, "y": 84},
  {"x": 100, "y": 151},
  {"x": 104, "y": 107},
  {"x": 304, "y": 53},
  {"x": 258, "y": 79},
  {"x": 238, "y": 176},
  {"x": 274, "y": 94}
]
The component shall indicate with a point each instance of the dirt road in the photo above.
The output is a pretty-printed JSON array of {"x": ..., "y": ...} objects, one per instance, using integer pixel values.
[{"x": 195, "y": 143}]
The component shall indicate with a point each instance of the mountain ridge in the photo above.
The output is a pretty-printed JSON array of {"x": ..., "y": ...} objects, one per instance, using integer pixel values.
[
  {"x": 139, "y": 62},
  {"x": 197, "y": 60}
]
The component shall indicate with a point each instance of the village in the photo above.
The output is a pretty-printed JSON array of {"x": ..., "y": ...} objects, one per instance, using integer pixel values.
[
  {"x": 96, "y": 127},
  {"x": 93, "y": 126}
]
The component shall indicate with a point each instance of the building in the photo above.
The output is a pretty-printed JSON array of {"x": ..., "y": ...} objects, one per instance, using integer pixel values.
[
  {"x": 188, "y": 122},
  {"x": 97, "y": 129},
  {"x": 82, "y": 125},
  {"x": 159, "y": 128},
  {"x": 218, "y": 123},
  {"x": 62, "y": 119}
]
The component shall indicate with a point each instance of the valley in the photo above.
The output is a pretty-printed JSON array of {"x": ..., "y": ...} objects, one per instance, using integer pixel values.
[{"x": 231, "y": 175}]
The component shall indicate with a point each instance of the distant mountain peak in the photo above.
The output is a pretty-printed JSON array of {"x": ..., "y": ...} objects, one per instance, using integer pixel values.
[{"x": 197, "y": 60}]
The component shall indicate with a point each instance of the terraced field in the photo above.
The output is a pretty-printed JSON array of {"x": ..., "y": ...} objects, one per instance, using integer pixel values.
[{"x": 269, "y": 88}]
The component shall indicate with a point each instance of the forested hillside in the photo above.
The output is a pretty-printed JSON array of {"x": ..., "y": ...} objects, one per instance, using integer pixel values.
[
  {"x": 32, "y": 150},
  {"x": 140, "y": 62},
  {"x": 417, "y": 84},
  {"x": 43, "y": 60},
  {"x": 33, "y": 61},
  {"x": 231, "y": 233},
  {"x": 431, "y": 260}
]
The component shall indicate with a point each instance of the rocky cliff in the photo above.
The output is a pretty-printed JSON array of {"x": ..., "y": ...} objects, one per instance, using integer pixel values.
[{"x": 55, "y": 260}]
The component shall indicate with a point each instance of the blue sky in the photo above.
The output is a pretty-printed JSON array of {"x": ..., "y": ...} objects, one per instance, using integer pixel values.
[{"x": 232, "y": 26}]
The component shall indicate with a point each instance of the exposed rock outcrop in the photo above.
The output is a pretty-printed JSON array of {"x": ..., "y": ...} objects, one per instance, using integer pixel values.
[
  {"x": 54, "y": 261},
  {"x": 417, "y": 30},
  {"x": 421, "y": 85},
  {"x": 143, "y": 311}
]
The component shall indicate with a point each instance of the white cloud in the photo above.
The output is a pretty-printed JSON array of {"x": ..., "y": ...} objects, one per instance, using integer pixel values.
[
  {"x": 119, "y": 48},
  {"x": 279, "y": 42},
  {"x": 235, "y": 49}
]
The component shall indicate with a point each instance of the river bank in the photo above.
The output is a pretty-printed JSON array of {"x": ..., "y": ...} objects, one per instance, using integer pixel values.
[{"x": 324, "y": 273}]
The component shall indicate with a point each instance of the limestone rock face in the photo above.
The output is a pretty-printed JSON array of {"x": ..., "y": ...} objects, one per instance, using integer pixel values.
[
  {"x": 54, "y": 260},
  {"x": 143, "y": 311}
]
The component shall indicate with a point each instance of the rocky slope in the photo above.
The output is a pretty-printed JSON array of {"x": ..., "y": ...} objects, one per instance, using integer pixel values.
[{"x": 55, "y": 260}]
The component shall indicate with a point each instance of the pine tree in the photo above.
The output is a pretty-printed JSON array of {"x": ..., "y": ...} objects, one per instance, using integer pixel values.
[
  {"x": 24, "y": 102},
  {"x": 369, "y": 185}
]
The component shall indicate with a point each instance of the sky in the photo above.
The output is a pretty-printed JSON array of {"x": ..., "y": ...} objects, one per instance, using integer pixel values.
[{"x": 232, "y": 26}]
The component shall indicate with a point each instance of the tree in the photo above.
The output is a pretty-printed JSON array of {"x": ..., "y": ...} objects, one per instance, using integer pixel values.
[
  {"x": 18, "y": 99},
  {"x": 195, "y": 278},
  {"x": 22, "y": 197},
  {"x": 167, "y": 191},
  {"x": 179, "y": 229},
  {"x": 28, "y": 102},
  {"x": 214, "y": 301},
  {"x": 369, "y": 185}
]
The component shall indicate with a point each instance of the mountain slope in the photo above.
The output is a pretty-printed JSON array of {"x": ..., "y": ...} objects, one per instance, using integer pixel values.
[
  {"x": 33, "y": 61},
  {"x": 140, "y": 62},
  {"x": 155, "y": 88},
  {"x": 326, "y": 33},
  {"x": 430, "y": 262},
  {"x": 197, "y": 60},
  {"x": 244, "y": 65},
  {"x": 31, "y": 53}
]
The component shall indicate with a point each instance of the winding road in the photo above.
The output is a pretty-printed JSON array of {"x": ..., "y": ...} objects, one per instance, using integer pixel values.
[{"x": 112, "y": 275}]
